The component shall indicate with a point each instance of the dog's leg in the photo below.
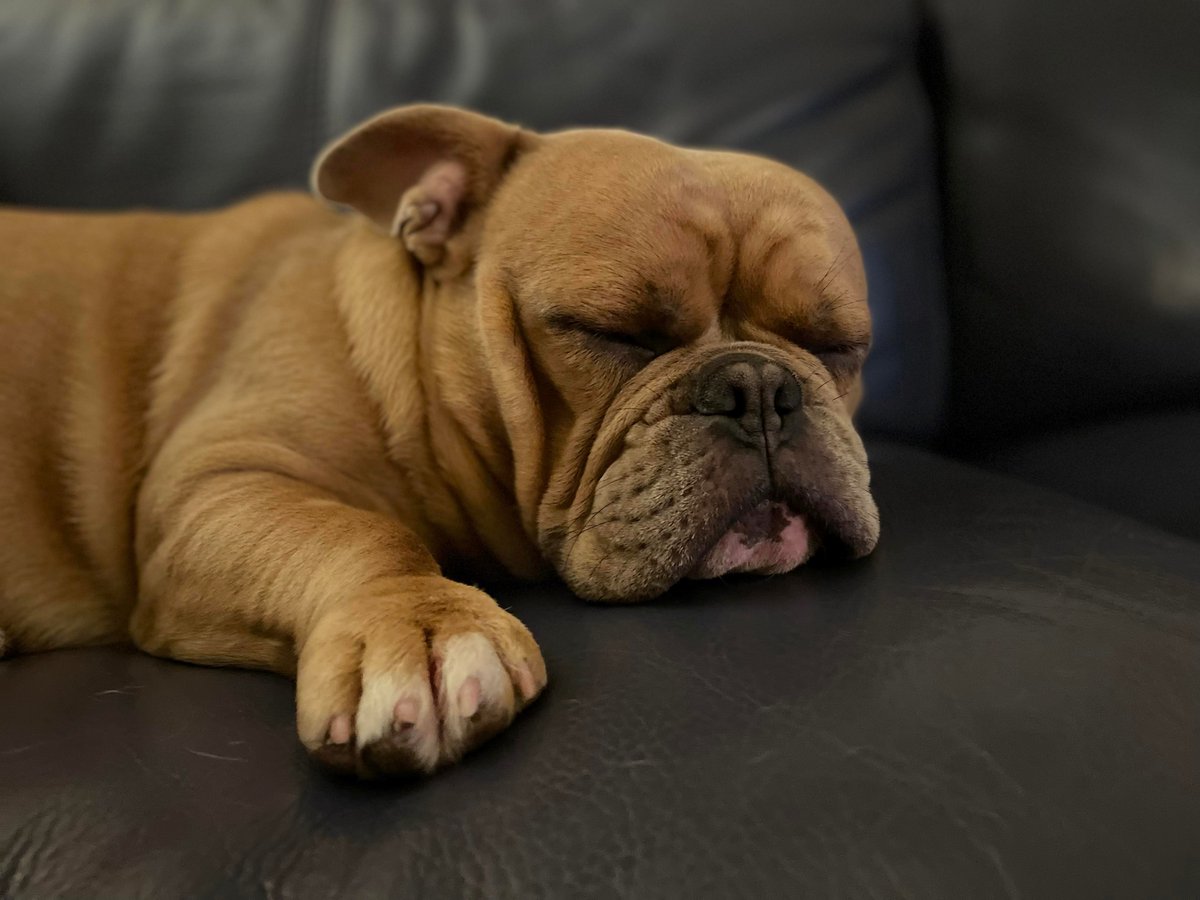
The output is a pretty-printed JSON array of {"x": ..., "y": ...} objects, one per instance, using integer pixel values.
[
  {"x": 398, "y": 669},
  {"x": 56, "y": 606}
]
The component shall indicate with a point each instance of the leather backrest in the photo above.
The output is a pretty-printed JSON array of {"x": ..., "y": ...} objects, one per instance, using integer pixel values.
[
  {"x": 1073, "y": 201},
  {"x": 191, "y": 104}
]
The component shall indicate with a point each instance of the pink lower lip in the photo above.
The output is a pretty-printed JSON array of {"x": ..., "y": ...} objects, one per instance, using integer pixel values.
[{"x": 768, "y": 540}]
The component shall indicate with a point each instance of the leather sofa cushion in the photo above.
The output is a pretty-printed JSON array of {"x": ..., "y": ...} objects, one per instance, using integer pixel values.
[
  {"x": 1143, "y": 466},
  {"x": 1072, "y": 186},
  {"x": 1003, "y": 701},
  {"x": 184, "y": 105}
]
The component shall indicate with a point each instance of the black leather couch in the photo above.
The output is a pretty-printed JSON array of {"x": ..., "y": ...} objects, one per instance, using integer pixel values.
[{"x": 1003, "y": 701}]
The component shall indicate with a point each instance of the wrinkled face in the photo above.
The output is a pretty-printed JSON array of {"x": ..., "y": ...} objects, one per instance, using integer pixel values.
[{"x": 695, "y": 324}]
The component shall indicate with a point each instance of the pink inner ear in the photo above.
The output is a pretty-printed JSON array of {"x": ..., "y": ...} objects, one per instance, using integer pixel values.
[{"x": 431, "y": 207}]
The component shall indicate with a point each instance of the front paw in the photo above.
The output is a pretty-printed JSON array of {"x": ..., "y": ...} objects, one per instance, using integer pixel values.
[{"x": 412, "y": 676}]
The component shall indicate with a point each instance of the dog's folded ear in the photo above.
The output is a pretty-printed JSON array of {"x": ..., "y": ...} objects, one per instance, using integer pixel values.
[{"x": 420, "y": 172}]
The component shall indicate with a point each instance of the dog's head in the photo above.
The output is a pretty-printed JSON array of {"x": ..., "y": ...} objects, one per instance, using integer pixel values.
[{"x": 670, "y": 341}]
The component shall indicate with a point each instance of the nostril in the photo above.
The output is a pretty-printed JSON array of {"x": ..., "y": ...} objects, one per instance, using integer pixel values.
[
  {"x": 739, "y": 402},
  {"x": 718, "y": 397},
  {"x": 788, "y": 395}
]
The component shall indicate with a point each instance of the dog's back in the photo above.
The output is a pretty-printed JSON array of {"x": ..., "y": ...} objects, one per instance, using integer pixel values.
[{"x": 86, "y": 303}]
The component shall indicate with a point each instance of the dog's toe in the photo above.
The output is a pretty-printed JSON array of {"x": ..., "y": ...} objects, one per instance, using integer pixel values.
[{"x": 476, "y": 695}]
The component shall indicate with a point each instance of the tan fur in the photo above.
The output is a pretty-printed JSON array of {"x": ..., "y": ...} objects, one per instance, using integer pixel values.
[{"x": 254, "y": 436}]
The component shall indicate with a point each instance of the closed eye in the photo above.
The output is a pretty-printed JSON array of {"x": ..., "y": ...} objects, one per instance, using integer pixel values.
[
  {"x": 842, "y": 357},
  {"x": 647, "y": 344}
]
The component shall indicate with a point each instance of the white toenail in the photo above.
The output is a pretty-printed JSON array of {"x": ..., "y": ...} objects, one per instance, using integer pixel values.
[
  {"x": 525, "y": 681},
  {"x": 406, "y": 712},
  {"x": 339, "y": 730},
  {"x": 468, "y": 697}
]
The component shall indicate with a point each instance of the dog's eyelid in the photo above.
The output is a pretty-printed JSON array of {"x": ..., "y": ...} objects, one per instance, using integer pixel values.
[
  {"x": 850, "y": 353},
  {"x": 849, "y": 347},
  {"x": 569, "y": 322},
  {"x": 644, "y": 341}
]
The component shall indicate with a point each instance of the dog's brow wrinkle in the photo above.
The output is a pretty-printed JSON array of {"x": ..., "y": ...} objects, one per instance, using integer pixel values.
[
  {"x": 718, "y": 279},
  {"x": 774, "y": 245},
  {"x": 711, "y": 241}
]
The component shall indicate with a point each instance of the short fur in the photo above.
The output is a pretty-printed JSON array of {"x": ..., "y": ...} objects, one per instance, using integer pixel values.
[{"x": 255, "y": 436}]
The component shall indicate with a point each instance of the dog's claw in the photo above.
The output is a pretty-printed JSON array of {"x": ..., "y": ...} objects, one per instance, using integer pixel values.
[
  {"x": 340, "y": 730},
  {"x": 526, "y": 682},
  {"x": 468, "y": 697},
  {"x": 406, "y": 713}
]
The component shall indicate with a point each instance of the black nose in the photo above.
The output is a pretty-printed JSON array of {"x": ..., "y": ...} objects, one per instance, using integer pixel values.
[{"x": 750, "y": 390}]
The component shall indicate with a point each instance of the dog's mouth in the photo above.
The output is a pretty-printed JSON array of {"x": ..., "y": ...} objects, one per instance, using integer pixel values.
[
  {"x": 770, "y": 539},
  {"x": 698, "y": 513}
]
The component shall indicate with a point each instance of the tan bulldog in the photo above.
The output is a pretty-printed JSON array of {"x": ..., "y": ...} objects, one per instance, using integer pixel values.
[{"x": 252, "y": 437}]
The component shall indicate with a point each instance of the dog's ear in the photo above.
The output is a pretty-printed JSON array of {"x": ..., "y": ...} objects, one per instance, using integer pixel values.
[{"x": 419, "y": 173}]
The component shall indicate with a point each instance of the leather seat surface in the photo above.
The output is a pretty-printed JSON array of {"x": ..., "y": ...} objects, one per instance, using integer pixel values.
[
  {"x": 1004, "y": 701},
  {"x": 1142, "y": 466}
]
